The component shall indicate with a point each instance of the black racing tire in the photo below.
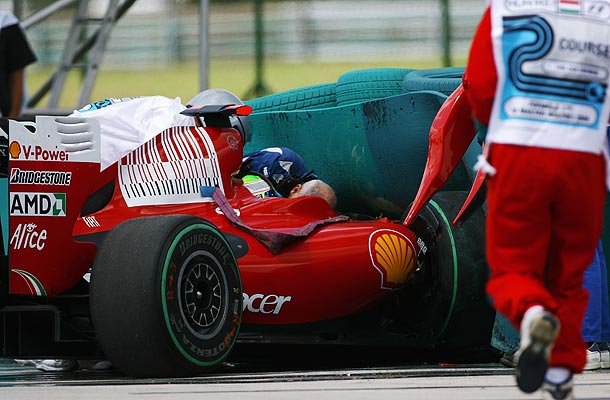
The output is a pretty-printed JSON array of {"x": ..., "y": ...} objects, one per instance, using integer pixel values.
[
  {"x": 444, "y": 303},
  {"x": 165, "y": 297},
  {"x": 305, "y": 98},
  {"x": 443, "y": 80},
  {"x": 370, "y": 84}
]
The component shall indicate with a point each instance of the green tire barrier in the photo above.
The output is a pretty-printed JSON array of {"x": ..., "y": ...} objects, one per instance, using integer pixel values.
[
  {"x": 443, "y": 80},
  {"x": 370, "y": 84},
  {"x": 372, "y": 153},
  {"x": 305, "y": 98},
  {"x": 361, "y": 148}
]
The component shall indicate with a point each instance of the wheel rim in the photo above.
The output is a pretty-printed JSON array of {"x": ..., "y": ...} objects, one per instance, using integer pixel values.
[{"x": 203, "y": 294}]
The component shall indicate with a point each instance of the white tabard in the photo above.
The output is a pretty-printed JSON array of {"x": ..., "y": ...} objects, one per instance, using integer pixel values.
[{"x": 553, "y": 59}]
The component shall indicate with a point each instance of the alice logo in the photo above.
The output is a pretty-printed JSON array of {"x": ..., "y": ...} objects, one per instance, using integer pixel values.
[{"x": 27, "y": 236}]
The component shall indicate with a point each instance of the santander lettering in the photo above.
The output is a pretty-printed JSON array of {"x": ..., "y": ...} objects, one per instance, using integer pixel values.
[{"x": 265, "y": 304}]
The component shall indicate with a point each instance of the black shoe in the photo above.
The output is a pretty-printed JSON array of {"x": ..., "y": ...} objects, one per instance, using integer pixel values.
[
  {"x": 539, "y": 332},
  {"x": 508, "y": 359},
  {"x": 558, "y": 391}
]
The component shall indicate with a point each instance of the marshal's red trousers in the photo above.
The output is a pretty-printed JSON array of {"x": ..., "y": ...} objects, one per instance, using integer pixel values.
[{"x": 545, "y": 217}]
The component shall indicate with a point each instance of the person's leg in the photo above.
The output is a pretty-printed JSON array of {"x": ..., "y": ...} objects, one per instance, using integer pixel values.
[
  {"x": 577, "y": 225},
  {"x": 575, "y": 236},
  {"x": 518, "y": 237},
  {"x": 605, "y": 304},
  {"x": 518, "y": 229},
  {"x": 534, "y": 188},
  {"x": 605, "y": 310},
  {"x": 592, "y": 322}
]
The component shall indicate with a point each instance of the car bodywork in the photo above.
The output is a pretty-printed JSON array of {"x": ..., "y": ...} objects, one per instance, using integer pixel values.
[{"x": 185, "y": 258}]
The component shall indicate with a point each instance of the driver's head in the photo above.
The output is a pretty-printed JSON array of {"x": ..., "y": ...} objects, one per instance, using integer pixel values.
[
  {"x": 223, "y": 97},
  {"x": 317, "y": 188},
  {"x": 282, "y": 167}
]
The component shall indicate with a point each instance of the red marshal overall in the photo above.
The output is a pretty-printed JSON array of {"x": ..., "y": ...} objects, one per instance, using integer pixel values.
[{"x": 538, "y": 76}]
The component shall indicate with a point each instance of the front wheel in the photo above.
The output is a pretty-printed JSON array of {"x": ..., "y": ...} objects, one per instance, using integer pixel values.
[{"x": 166, "y": 296}]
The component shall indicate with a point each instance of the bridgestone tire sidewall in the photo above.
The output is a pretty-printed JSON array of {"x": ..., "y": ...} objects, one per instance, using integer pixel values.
[
  {"x": 204, "y": 242},
  {"x": 137, "y": 319}
]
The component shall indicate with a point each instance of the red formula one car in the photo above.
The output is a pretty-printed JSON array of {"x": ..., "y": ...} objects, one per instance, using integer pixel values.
[{"x": 186, "y": 261}]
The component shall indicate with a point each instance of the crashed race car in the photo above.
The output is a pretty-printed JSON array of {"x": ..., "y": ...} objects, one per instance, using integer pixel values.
[{"x": 185, "y": 261}]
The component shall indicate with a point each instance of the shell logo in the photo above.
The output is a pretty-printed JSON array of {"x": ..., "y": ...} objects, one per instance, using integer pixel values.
[
  {"x": 393, "y": 255},
  {"x": 14, "y": 149}
]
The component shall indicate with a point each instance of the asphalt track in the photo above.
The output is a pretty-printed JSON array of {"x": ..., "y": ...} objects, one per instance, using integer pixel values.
[{"x": 261, "y": 375}]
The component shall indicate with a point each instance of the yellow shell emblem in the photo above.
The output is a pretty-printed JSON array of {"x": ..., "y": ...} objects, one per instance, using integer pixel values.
[{"x": 393, "y": 256}]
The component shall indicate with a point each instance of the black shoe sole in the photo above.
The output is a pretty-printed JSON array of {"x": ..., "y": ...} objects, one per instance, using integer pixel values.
[
  {"x": 533, "y": 361},
  {"x": 531, "y": 368}
]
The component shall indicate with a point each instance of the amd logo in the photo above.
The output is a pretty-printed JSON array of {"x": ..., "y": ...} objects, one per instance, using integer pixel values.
[{"x": 38, "y": 204}]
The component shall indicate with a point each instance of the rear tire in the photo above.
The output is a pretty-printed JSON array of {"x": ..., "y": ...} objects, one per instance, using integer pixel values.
[
  {"x": 165, "y": 296},
  {"x": 445, "y": 302}
]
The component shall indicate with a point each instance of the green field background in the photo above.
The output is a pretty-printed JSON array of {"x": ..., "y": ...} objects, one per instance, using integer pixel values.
[{"x": 182, "y": 80}]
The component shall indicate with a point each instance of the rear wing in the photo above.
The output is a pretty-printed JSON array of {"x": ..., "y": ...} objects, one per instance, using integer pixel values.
[
  {"x": 51, "y": 169},
  {"x": 4, "y": 265}
]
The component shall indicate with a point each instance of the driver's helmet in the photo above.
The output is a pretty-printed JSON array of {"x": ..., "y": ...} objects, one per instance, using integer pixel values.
[{"x": 224, "y": 97}]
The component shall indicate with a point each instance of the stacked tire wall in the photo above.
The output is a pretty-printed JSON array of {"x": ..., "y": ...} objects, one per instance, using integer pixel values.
[{"x": 362, "y": 132}]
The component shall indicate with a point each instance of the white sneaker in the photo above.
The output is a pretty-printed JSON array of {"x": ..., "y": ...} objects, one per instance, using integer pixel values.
[
  {"x": 98, "y": 365},
  {"x": 25, "y": 363},
  {"x": 558, "y": 391},
  {"x": 539, "y": 330},
  {"x": 604, "y": 352},
  {"x": 593, "y": 358},
  {"x": 51, "y": 365}
]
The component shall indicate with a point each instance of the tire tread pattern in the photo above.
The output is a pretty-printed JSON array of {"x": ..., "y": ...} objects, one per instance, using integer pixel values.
[
  {"x": 305, "y": 98},
  {"x": 370, "y": 84}
]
